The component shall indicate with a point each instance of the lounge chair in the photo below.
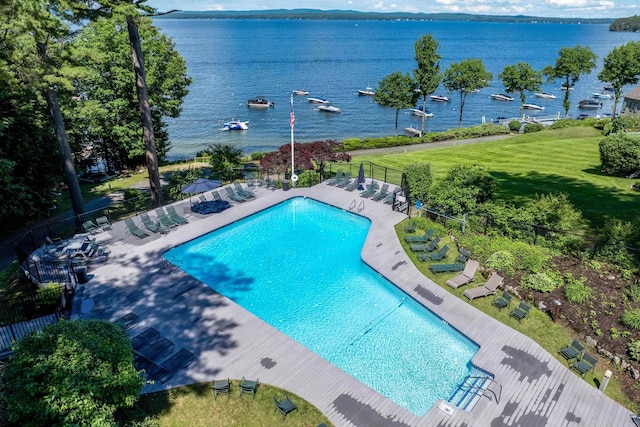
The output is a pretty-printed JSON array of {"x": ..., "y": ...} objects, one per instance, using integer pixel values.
[
  {"x": 90, "y": 227},
  {"x": 335, "y": 179},
  {"x": 162, "y": 372},
  {"x": 371, "y": 190},
  {"x": 203, "y": 198},
  {"x": 435, "y": 256},
  {"x": 411, "y": 227},
  {"x": 160, "y": 348},
  {"x": 636, "y": 419},
  {"x": 134, "y": 229},
  {"x": 221, "y": 387},
  {"x": 444, "y": 268},
  {"x": 271, "y": 184},
  {"x": 145, "y": 338},
  {"x": 428, "y": 247},
  {"x": 426, "y": 237},
  {"x": 233, "y": 196},
  {"x": 585, "y": 364},
  {"x": 464, "y": 255},
  {"x": 344, "y": 181},
  {"x": 489, "y": 288},
  {"x": 502, "y": 301},
  {"x": 521, "y": 311},
  {"x": 247, "y": 386},
  {"x": 175, "y": 216},
  {"x": 216, "y": 195},
  {"x": 242, "y": 192},
  {"x": 467, "y": 275},
  {"x": 391, "y": 196},
  {"x": 572, "y": 351},
  {"x": 285, "y": 406},
  {"x": 352, "y": 186},
  {"x": 154, "y": 227},
  {"x": 90, "y": 249},
  {"x": 382, "y": 193},
  {"x": 165, "y": 219},
  {"x": 103, "y": 222},
  {"x": 127, "y": 321}
]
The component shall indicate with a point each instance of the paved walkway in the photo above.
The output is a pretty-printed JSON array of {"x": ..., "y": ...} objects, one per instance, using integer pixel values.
[{"x": 228, "y": 341}]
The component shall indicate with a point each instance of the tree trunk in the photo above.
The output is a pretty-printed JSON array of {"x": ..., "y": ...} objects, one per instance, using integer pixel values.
[
  {"x": 145, "y": 113},
  {"x": 397, "y": 113}
]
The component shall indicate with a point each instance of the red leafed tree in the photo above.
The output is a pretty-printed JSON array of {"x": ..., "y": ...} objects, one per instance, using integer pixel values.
[{"x": 308, "y": 156}]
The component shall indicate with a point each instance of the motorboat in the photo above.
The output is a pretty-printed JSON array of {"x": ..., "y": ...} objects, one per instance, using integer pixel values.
[
  {"x": 260, "y": 102},
  {"x": 599, "y": 95},
  {"x": 317, "y": 100},
  {"x": 545, "y": 95},
  {"x": 366, "y": 92},
  {"x": 563, "y": 87},
  {"x": 439, "y": 98},
  {"x": 300, "y": 92},
  {"x": 418, "y": 112},
  {"x": 234, "y": 125},
  {"x": 328, "y": 108},
  {"x": 532, "y": 107},
  {"x": 501, "y": 97},
  {"x": 609, "y": 87},
  {"x": 589, "y": 103}
]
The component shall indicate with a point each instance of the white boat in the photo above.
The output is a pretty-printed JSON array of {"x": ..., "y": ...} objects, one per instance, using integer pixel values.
[
  {"x": 565, "y": 88},
  {"x": 317, "y": 100},
  {"x": 328, "y": 108},
  {"x": 300, "y": 92},
  {"x": 260, "y": 102},
  {"x": 439, "y": 98},
  {"x": 609, "y": 87},
  {"x": 599, "y": 95},
  {"x": 545, "y": 95},
  {"x": 501, "y": 97},
  {"x": 418, "y": 112},
  {"x": 234, "y": 125},
  {"x": 532, "y": 107},
  {"x": 366, "y": 92},
  {"x": 589, "y": 103}
]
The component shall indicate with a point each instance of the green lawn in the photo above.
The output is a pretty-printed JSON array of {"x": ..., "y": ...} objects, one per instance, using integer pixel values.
[{"x": 554, "y": 161}]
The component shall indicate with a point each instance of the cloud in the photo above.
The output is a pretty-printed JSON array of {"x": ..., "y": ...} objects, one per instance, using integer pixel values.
[{"x": 567, "y": 3}]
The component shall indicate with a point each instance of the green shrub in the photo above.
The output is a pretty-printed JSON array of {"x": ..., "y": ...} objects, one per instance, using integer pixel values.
[
  {"x": 541, "y": 282},
  {"x": 514, "y": 126},
  {"x": 501, "y": 261},
  {"x": 51, "y": 294},
  {"x": 631, "y": 318},
  {"x": 308, "y": 178},
  {"x": 533, "y": 127},
  {"x": 257, "y": 156},
  {"x": 576, "y": 291},
  {"x": 634, "y": 350},
  {"x": 633, "y": 292}
]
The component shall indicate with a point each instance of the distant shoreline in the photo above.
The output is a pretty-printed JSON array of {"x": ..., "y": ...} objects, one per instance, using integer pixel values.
[{"x": 315, "y": 14}]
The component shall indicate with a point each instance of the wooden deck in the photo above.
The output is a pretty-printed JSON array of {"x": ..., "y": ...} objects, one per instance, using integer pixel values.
[{"x": 228, "y": 341}]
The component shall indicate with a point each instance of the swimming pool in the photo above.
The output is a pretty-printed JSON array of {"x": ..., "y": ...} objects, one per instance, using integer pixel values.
[{"x": 297, "y": 266}]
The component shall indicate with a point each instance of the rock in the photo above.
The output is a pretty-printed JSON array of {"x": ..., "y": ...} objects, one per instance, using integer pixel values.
[
  {"x": 610, "y": 277},
  {"x": 590, "y": 341},
  {"x": 616, "y": 359},
  {"x": 542, "y": 306}
]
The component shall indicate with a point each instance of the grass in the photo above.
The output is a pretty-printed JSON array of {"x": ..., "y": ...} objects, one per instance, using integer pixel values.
[
  {"x": 551, "y": 161},
  {"x": 195, "y": 406},
  {"x": 538, "y": 326}
]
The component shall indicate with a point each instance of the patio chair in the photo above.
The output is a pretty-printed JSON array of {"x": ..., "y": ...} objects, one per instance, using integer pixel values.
[
  {"x": 336, "y": 178},
  {"x": 382, "y": 193},
  {"x": 247, "y": 386},
  {"x": 154, "y": 227},
  {"x": 391, "y": 196},
  {"x": 411, "y": 227},
  {"x": 203, "y": 198},
  {"x": 428, "y": 247},
  {"x": 585, "y": 364},
  {"x": 371, "y": 190},
  {"x": 636, "y": 419},
  {"x": 521, "y": 311},
  {"x": 127, "y": 321},
  {"x": 285, "y": 406},
  {"x": 216, "y": 195},
  {"x": 233, "y": 196},
  {"x": 489, "y": 288},
  {"x": 467, "y": 275},
  {"x": 165, "y": 219},
  {"x": 444, "y": 268},
  {"x": 175, "y": 216},
  {"x": 426, "y": 237},
  {"x": 103, "y": 222},
  {"x": 221, "y": 387},
  {"x": 90, "y": 227},
  {"x": 164, "y": 371},
  {"x": 145, "y": 338},
  {"x": 435, "y": 256},
  {"x": 352, "y": 185},
  {"x": 132, "y": 228},
  {"x": 502, "y": 301},
  {"x": 572, "y": 351},
  {"x": 344, "y": 181},
  {"x": 463, "y": 256},
  {"x": 243, "y": 192},
  {"x": 162, "y": 347}
]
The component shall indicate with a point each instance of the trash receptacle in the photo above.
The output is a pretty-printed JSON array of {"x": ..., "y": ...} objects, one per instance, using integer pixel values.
[
  {"x": 81, "y": 274},
  {"x": 285, "y": 185}
]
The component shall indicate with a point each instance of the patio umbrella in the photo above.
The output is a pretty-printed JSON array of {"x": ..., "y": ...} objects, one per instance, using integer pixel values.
[
  {"x": 361, "y": 181},
  {"x": 201, "y": 185}
]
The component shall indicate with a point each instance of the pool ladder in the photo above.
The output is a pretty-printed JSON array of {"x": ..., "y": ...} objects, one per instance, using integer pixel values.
[
  {"x": 472, "y": 389},
  {"x": 353, "y": 204}
]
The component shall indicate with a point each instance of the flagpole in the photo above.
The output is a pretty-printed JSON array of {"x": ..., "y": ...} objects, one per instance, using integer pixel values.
[{"x": 292, "y": 120}]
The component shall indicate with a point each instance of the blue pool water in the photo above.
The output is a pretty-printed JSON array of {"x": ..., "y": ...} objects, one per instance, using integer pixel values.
[{"x": 297, "y": 266}]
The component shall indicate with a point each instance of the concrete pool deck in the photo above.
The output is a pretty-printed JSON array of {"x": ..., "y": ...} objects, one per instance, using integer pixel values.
[{"x": 228, "y": 341}]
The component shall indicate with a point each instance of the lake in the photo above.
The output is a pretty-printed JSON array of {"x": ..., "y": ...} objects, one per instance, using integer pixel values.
[{"x": 232, "y": 61}]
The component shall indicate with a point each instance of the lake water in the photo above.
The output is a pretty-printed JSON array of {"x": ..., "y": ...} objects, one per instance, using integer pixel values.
[{"x": 232, "y": 61}]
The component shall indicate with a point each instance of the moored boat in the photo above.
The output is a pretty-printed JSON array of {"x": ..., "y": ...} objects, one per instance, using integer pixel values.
[
  {"x": 501, "y": 97},
  {"x": 300, "y": 92},
  {"x": 599, "y": 95},
  {"x": 589, "y": 103},
  {"x": 366, "y": 92},
  {"x": 609, "y": 87},
  {"x": 260, "y": 102},
  {"x": 532, "y": 107},
  {"x": 545, "y": 95},
  {"x": 317, "y": 100},
  {"x": 418, "y": 112},
  {"x": 328, "y": 108},
  {"x": 235, "y": 125},
  {"x": 439, "y": 98}
]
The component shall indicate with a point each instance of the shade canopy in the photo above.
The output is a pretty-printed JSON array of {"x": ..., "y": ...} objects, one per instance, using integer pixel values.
[
  {"x": 201, "y": 185},
  {"x": 361, "y": 181}
]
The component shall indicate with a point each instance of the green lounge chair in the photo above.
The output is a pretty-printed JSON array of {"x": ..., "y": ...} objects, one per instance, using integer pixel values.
[
  {"x": 382, "y": 193},
  {"x": 134, "y": 229},
  {"x": 436, "y": 256},
  {"x": 175, "y": 216},
  {"x": 636, "y": 419},
  {"x": 242, "y": 192},
  {"x": 410, "y": 228},
  {"x": 335, "y": 179},
  {"x": 572, "y": 351},
  {"x": 90, "y": 227},
  {"x": 371, "y": 190},
  {"x": 426, "y": 237},
  {"x": 247, "y": 386},
  {"x": 160, "y": 348},
  {"x": 428, "y": 247},
  {"x": 464, "y": 255},
  {"x": 445, "y": 268},
  {"x": 221, "y": 387},
  {"x": 165, "y": 371},
  {"x": 344, "y": 181},
  {"x": 216, "y": 195},
  {"x": 103, "y": 222},
  {"x": 285, "y": 406},
  {"x": 233, "y": 196},
  {"x": 164, "y": 218},
  {"x": 585, "y": 364},
  {"x": 154, "y": 227},
  {"x": 489, "y": 288},
  {"x": 391, "y": 196},
  {"x": 127, "y": 321},
  {"x": 467, "y": 275},
  {"x": 352, "y": 186},
  {"x": 144, "y": 338},
  {"x": 521, "y": 312},
  {"x": 502, "y": 301}
]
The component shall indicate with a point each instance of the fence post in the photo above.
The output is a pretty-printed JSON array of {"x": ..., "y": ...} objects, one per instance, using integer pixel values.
[{"x": 464, "y": 221}]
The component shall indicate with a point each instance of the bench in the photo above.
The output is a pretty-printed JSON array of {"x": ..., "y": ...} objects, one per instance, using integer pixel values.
[{"x": 443, "y": 268}]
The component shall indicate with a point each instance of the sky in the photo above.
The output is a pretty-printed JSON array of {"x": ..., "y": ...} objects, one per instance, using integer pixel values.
[{"x": 544, "y": 8}]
